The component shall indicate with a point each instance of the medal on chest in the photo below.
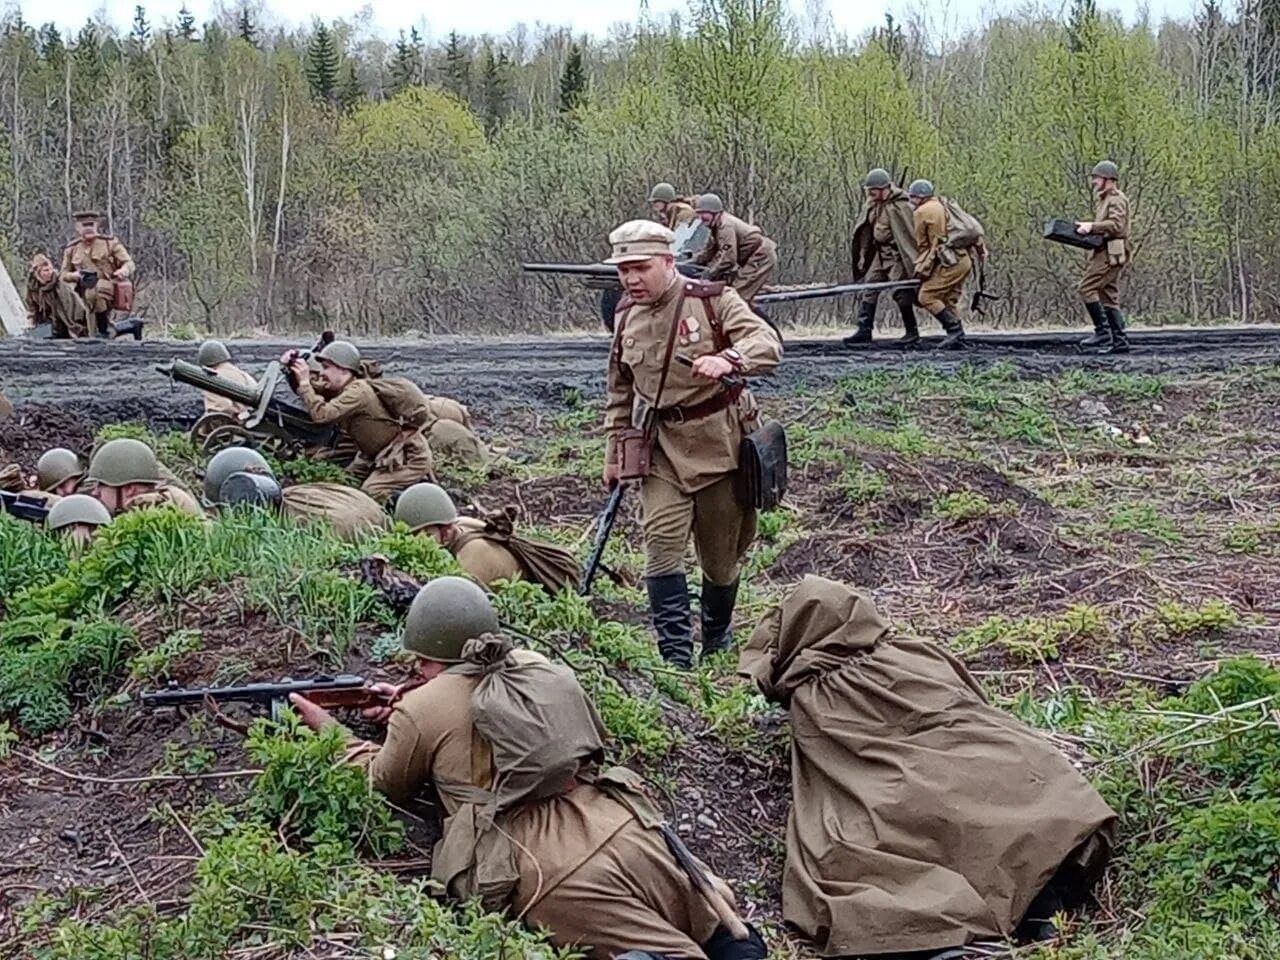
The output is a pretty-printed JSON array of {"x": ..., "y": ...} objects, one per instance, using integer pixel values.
[{"x": 690, "y": 331}]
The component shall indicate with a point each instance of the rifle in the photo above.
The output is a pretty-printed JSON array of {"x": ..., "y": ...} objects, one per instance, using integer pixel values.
[
  {"x": 346, "y": 690},
  {"x": 604, "y": 526},
  {"x": 24, "y": 507}
]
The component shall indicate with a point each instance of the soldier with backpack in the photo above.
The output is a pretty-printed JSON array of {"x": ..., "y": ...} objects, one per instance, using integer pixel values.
[
  {"x": 384, "y": 417},
  {"x": 947, "y": 241},
  {"x": 513, "y": 747}
]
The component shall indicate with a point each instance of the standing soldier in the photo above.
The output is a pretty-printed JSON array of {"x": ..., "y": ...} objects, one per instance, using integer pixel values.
[
  {"x": 93, "y": 262},
  {"x": 737, "y": 252},
  {"x": 671, "y": 211},
  {"x": 693, "y": 425},
  {"x": 51, "y": 301},
  {"x": 213, "y": 354},
  {"x": 1100, "y": 285},
  {"x": 884, "y": 249},
  {"x": 941, "y": 267}
]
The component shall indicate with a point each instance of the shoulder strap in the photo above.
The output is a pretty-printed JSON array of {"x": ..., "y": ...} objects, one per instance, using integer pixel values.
[
  {"x": 666, "y": 360},
  {"x": 620, "y": 314}
]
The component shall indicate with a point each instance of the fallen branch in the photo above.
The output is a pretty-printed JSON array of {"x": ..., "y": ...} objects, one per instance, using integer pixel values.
[{"x": 154, "y": 778}]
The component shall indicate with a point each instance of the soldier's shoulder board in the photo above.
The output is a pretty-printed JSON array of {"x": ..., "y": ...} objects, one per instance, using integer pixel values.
[{"x": 703, "y": 289}]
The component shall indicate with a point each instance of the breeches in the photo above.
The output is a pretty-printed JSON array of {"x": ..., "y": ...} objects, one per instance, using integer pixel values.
[{"x": 722, "y": 528}]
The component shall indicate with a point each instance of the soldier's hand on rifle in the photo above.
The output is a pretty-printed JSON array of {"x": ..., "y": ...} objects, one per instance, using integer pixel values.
[
  {"x": 1084, "y": 228},
  {"x": 313, "y": 716},
  {"x": 712, "y": 367},
  {"x": 381, "y": 714}
]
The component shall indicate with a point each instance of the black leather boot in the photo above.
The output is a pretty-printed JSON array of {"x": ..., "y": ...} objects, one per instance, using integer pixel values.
[
  {"x": 1115, "y": 321},
  {"x": 717, "y": 616},
  {"x": 1101, "y": 332},
  {"x": 669, "y": 603},
  {"x": 104, "y": 323},
  {"x": 910, "y": 329},
  {"x": 866, "y": 322},
  {"x": 954, "y": 340}
]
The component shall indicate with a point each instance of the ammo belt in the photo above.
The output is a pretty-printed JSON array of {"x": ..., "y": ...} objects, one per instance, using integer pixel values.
[{"x": 698, "y": 411}]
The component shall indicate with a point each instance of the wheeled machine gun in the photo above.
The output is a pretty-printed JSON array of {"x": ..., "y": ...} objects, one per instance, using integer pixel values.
[{"x": 1064, "y": 232}]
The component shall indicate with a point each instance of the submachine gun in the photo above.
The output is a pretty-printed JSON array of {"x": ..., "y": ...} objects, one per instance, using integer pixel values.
[
  {"x": 24, "y": 507},
  {"x": 347, "y": 691}
]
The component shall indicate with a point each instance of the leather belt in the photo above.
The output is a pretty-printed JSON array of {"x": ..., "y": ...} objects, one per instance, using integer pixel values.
[{"x": 699, "y": 411}]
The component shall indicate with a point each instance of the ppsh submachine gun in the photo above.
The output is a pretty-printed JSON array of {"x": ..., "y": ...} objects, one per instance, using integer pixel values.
[{"x": 347, "y": 690}]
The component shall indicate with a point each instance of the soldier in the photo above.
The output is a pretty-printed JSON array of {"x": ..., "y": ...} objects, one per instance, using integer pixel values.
[
  {"x": 941, "y": 268},
  {"x": 737, "y": 252},
  {"x": 214, "y": 355},
  {"x": 884, "y": 249},
  {"x": 589, "y": 864},
  {"x": 483, "y": 549},
  {"x": 59, "y": 472},
  {"x": 694, "y": 432},
  {"x": 452, "y": 436},
  {"x": 394, "y": 453},
  {"x": 97, "y": 259},
  {"x": 78, "y": 518},
  {"x": 352, "y": 513},
  {"x": 671, "y": 211},
  {"x": 51, "y": 301},
  {"x": 127, "y": 476},
  {"x": 1100, "y": 285}
]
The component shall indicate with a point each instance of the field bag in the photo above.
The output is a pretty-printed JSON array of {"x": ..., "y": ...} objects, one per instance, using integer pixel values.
[
  {"x": 536, "y": 730},
  {"x": 547, "y": 564},
  {"x": 762, "y": 467},
  {"x": 403, "y": 401},
  {"x": 963, "y": 229}
]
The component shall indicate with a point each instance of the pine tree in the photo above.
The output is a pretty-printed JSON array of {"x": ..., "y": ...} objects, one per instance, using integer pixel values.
[
  {"x": 52, "y": 50},
  {"x": 140, "y": 34},
  {"x": 186, "y": 24},
  {"x": 891, "y": 39},
  {"x": 322, "y": 64},
  {"x": 348, "y": 92},
  {"x": 573, "y": 81},
  {"x": 404, "y": 65},
  {"x": 457, "y": 69},
  {"x": 495, "y": 85},
  {"x": 244, "y": 25},
  {"x": 420, "y": 59}
]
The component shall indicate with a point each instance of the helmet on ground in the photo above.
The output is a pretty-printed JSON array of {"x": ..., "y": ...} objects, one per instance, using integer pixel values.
[
  {"x": 425, "y": 505},
  {"x": 124, "y": 461},
  {"x": 445, "y": 614},
  {"x": 212, "y": 353},
  {"x": 1105, "y": 168},
  {"x": 229, "y": 461},
  {"x": 920, "y": 188},
  {"x": 77, "y": 508},
  {"x": 253, "y": 489},
  {"x": 57, "y": 466},
  {"x": 877, "y": 178},
  {"x": 342, "y": 353},
  {"x": 662, "y": 191},
  {"x": 709, "y": 203}
]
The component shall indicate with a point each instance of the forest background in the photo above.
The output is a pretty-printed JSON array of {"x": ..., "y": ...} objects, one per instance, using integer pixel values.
[{"x": 287, "y": 179}]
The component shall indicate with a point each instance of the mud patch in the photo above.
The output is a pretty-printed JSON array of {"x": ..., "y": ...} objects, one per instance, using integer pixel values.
[
  {"x": 836, "y": 556},
  {"x": 35, "y": 428}
]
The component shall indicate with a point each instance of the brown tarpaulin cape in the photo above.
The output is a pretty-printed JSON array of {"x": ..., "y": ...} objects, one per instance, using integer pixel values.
[{"x": 921, "y": 817}]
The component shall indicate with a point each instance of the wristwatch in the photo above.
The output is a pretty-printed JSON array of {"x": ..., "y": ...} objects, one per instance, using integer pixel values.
[{"x": 733, "y": 356}]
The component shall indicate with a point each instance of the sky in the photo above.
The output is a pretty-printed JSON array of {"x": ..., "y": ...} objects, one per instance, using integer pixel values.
[{"x": 589, "y": 16}]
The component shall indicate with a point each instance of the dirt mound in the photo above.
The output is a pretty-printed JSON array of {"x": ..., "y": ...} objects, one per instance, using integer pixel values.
[
  {"x": 566, "y": 499},
  {"x": 836, "y": 556},
  {"x": 34, "y": 428}
]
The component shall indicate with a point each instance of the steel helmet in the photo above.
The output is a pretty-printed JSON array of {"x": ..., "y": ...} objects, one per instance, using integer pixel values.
[
  {"x": 254, "y": 489},
  {"x": 57, "y": 466},
  {"x": 229, "y": 461},
  {"x": 877, "y": 178},
  {"x": 662, "y": 191},
  {"x": 1105, "y": 168},
  {"x": 709, "y": 203},
  {"x": 920, "y": 188},
  {"x": 342, "y": 353},
  {"x": 77, "y": 508},
  {"x": 425, "y": 505},
  {"x": 212, "y": 353},
  {"x": 445, "y": 614},
  {"x": 124, "y": 461}
]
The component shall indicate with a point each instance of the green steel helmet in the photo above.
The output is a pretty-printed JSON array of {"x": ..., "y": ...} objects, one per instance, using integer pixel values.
[
  {"x": 56, "y": 466},
  {"x": 920, "y": 188},
  {"x": 212, "y": 353},
  {"x": 709, "y": 203},
  {"x": 124, "y": 461},
  {"x": 77, "y": 508},
  {"x": 229, "y": 461},
  {"x": 1105, "y": 168},
  {"x": 445, "y": 614},
  {"x": 662, "y": 191},
  {"x": 425, "y": 505},
  {"x": 877, "y": 178},
  {"x": 342, "y": 353}
]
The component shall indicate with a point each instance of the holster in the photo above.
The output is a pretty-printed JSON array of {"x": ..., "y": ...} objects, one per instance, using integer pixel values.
[
  {"x": 633, "y": 452},
  {"x": 762, "y": 467}
]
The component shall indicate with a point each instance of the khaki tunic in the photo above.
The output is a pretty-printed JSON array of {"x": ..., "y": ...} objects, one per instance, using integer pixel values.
[
  {"x": 167, "y": 494},
  {"x": 697, "y": 455},
  {"x": 104, "y": 255},
  {"x": 739, "y": 253},
  {"x": 941, "y": 283},
  {"x": 589, "y": 872},
  {"x": 884, "y": 244},
  {"x": 386, "y": 463},
  {"x": 216, "y": 404},
  {"x": 352, "y": 513},
  {"x": 1101, "y": 280},
  {"x": 457, "y": 444},
  {"x": 484, "y": 560},
  {"x": 58, "y": 305}
]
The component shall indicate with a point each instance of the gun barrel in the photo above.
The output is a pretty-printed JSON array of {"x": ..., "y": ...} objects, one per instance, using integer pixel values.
[
  {"x": 572, "y": 269},
  {"x": 832, "y": 290},
  {"x": 604, "y": 526},
  {"x": 197, "y": 376},
  {"x": 248, "y": 692}
]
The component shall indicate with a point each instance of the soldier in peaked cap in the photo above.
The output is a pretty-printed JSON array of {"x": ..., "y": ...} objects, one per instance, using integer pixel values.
[
  {"x": 101, "y": 257},
  {"x": 692, "y": 424}
]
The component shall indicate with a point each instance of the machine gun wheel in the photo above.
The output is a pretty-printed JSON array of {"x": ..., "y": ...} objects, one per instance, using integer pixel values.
[
  {"x": 230, "y": 435},
  {"x": 208, "y": 423}
]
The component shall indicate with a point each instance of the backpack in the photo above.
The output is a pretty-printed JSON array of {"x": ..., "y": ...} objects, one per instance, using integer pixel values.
[
  {"x": 538, "y": 730},
  {"x": 403, "y": 401},
  {"x": 963, "y": 229},
  {"x": 551, "y": 566}
]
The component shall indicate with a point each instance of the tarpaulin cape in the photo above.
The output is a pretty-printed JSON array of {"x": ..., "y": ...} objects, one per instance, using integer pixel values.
[{"x": 921, "y": 817}]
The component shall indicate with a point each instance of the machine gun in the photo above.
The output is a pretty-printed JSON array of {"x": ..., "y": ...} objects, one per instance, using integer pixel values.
[
  {"x": 604, "y": 527},
  {"x": 268, "y": 423},
  {"x": 1064, "y": 232},
  {"x": 24, "y": 507},
  {"x": 347, "y": 690}
]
